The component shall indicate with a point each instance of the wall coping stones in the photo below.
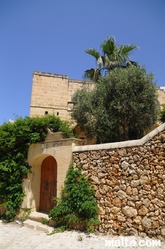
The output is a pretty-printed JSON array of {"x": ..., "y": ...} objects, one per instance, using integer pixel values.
[
  {"x": 60, "y": 76},
  {"x": 51, "y": 75},
  {"x": 114, "y": 145},
  {"x": 128, "y": 183}
]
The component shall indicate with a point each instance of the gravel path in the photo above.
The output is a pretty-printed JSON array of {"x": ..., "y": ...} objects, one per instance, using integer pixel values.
[{"x": 14, "y": 236}]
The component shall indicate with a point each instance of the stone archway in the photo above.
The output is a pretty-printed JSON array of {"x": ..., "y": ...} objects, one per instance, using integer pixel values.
[
  {"x": 48, "y": 185},
  {"x": 41, "y": 185},
  {"x": 56, "y": 151}
]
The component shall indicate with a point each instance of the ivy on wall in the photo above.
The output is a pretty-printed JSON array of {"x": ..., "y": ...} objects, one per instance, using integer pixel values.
[{"x": 15, "y": 138}]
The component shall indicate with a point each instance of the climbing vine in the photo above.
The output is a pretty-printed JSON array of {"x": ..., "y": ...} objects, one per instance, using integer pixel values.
[{"x": 15, "y": 138}]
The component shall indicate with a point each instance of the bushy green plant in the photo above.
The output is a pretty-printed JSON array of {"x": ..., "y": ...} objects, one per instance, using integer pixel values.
[
  {"x": 77, "y": 207},
  {"x": 162, "y": 114},
  {"x": 122, "y": 106},
  {"x": 15, "y": 139}
]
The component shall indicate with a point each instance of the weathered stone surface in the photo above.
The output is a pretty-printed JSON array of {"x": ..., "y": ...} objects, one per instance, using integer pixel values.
[
  {"x": 121, "y": 194},
  {"x": 130, "y": 186},
  {"x": 131, "y": 203},
  {"x": 138, "y": 204},
  {"x": 101, "y": 175},
  {"x": 121, "y": 218},
  {"x": 155, "y": 224},
  {"x": 116, "y": 202},
  {"x": 95, "y": 179},
  {"x": 146, "y": 202},
  {"x": 137, "y": 220},
  {"x": 129, "y": 190},
  {"x": 124, "y": 165},
  {"x": 85, "y": 166},
  {"x": 134, "y": 191},
  {"x": 135, "y": 183},
  {"x": 143, "y": 210},
  {"x": 163, "y": 231},
  {"x": 146, "y": 223},
  {"x": 115, "y": 210},
  {"x": 103, "y": 189},
  {"x": 129, "y": 211}
]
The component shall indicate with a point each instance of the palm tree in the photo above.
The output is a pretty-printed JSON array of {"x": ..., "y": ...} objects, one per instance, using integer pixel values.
[{"x": 112, "y": 57}]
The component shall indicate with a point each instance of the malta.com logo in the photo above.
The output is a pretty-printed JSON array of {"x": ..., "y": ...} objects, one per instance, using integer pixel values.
[{"x": 131, "y": 242}]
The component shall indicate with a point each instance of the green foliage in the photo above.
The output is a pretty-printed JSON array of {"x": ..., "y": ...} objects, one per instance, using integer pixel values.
[
  {"x": 15, "y": 139},
  {"x": 45, "y": 221},
  {"x": 162, "y": 114},
  {"x": 57, "y": 230},
  {"x": 122, "y": 106},
  {"x": 83, "y": 113},
  {"x": 110, "y": 58},
  {"x": 77, "y": 208},
  {"x": 24, "y": 214}
]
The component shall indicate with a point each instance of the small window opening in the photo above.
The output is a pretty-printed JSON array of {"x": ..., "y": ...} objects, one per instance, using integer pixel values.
[
  {"x": 71, "y": 106},
  {"x": 57, "y": 113},
  {"x": 46, "y": 112}
]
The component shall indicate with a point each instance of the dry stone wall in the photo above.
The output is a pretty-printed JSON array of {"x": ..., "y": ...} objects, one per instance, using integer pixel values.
[{"x": 129, "y": 182}]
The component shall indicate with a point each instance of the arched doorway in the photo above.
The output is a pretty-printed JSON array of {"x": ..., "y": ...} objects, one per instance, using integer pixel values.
[{"x": 48, "y": 186}]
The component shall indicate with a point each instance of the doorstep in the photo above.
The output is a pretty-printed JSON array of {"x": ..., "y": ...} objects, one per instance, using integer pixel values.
[
  {"x": 42, "y": 218},
  {"x": 37, "y": 216},
  {"x": 37, "y": 226},
  {"x": 40, "y": 222}
]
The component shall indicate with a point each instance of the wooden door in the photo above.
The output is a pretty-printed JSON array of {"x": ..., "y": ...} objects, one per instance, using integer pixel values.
[{"x": 48, "y": 189}]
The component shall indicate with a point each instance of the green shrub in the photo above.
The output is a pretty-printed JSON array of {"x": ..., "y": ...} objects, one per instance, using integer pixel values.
[
  {"x": 162, "y": 114},
  {"x": 77, "y": 207},
  {"x": 15, "y": 139}
]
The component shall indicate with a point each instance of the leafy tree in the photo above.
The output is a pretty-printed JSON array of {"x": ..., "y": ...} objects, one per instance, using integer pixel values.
[
  {"x": 77, "y": 208},
  {"x": 122, "y": 106},
  {"x": 110, "y": 58},
  {"x": 83, "y": 112},
  {"x": 162, "y": 114},
  {"x": 15, "y": 139}
]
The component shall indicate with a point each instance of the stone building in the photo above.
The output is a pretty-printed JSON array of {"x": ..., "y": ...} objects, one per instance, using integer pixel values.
[
  {"x": 161, "y": 95},
  {"x": 52, "y": 94}
]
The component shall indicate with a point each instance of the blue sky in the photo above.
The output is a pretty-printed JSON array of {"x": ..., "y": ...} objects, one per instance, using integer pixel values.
[{"x": 51, "y": 36}]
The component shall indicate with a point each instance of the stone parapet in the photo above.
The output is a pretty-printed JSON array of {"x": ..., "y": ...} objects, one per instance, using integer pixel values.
[{"x": 122, "y": 144}]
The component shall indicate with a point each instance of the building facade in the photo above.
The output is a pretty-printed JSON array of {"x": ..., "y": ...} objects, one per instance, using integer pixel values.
[
  {"x": 50, "y": 160},
  {"x": 52, "y": 94}
]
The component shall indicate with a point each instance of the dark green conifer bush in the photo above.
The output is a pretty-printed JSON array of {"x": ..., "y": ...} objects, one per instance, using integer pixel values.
[{"x": 77, "y": 207}]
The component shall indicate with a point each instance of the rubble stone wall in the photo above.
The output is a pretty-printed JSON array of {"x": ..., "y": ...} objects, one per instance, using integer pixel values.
[{"x": 129, "y": 182}]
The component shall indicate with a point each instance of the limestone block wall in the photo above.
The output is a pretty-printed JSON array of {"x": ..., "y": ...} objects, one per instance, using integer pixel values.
[
  {"x": 129, "y": 182},
  {"x": 52, "y": 94},
  {"x": 161, "y": 96},
  {"x": 45, "y": 97}
]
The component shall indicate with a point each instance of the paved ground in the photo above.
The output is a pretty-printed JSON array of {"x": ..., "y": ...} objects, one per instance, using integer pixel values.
[{"x": 14, "y": 236}]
